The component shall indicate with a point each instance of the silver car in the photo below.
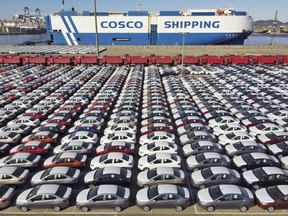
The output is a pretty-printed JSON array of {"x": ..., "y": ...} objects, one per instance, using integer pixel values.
[
  {"x": 103, "y": 196},
  {"x": 214, "y": 176},
  {"x": 226, "y": 197},
  {"x": 13, "y": 175},
  {"x": 21, "y": 160},
  {"x": 56, "y": 175},
  {"x": 46, "y": 196},
  {"x": 6, "y": 194},
  {"x": 163, "y": 196},
  {"x": 10, "y": 137},
  {"x": 74, "y": 146}
]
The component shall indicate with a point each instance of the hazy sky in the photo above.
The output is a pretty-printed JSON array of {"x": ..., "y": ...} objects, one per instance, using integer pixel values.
[{"x": 259, "y": 9}]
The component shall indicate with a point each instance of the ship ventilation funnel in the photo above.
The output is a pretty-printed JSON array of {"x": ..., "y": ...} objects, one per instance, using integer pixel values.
[{"x": 139, "y": 7}]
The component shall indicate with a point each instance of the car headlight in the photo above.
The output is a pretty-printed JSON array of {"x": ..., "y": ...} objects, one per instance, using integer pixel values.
[{"x": 203, "y": 203}]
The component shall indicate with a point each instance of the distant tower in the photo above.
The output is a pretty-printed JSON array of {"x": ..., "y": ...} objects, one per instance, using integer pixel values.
[
  {"x": 139, "y": 7},
  {"x": 62, "y": 5}
]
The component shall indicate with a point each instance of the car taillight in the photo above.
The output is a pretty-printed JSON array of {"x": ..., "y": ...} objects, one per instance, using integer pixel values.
[
  {"x": 66, "y": 201},
  {"x": 4, "y": 201},
  {"x": 126, "y": 201},
  {"x": 21, "y": 180}
]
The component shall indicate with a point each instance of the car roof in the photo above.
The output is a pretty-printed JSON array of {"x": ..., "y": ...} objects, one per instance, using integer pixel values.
[
  {"x": 47, "y": 188},
  {"x": 274, "y": 170},
  {"x": 165, "y": 170},
  {"x": 230, "y": 189},
  {"x": 167, "y": 188},
  {"x": 59, "y": 170},
  {"x": 8, "y": 170},
  {"x": 111, "y": 170},
  {"x": 102, "y": 189},
  {"x": 216, "y": 170}
]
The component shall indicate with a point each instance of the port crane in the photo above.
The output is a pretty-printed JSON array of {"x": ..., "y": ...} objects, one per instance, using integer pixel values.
[
  {"x": 275, "y": 23},
  {"x": 29, "y": 17}
]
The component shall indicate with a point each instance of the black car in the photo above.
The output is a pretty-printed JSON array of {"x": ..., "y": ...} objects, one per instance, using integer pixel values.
[{"x": 108, "y": 175}]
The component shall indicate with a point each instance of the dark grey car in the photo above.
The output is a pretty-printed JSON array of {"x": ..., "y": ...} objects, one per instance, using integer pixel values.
[
  {"x": 46, "y": 196},
  {"x": 103, "y": 196}
]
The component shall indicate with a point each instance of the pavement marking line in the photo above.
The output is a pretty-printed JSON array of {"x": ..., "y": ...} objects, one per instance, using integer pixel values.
[{"x": 196, "y": 210}]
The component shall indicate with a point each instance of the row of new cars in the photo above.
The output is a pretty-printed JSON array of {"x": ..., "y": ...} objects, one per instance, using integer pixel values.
[{"x": 103, "y": 129}]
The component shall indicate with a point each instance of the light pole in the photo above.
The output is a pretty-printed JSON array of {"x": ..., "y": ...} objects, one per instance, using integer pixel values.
[
  {"x": 96, "y": 29},
  {"x": 183, "y": 46}
]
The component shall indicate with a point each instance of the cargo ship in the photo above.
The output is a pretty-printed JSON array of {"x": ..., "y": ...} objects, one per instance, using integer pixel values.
[{"x": 190, "y": 27}]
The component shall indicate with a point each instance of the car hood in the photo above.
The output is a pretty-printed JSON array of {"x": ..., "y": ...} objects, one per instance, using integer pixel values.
[
  {"x": 127, "y": 193},
  {"x": 239, "y": 161},
  {"x": 250, "y": 177},
  {"x": 263, "y": 138},
  {"x": 48, "y": 160},
  {"x": 230, "y": 149},
  {"x": 82, "y": 196},
  {"x": 89, "y": 177},
  {"x": 23, "y": 196},
  {"x": 263, "y": 196},
  {"x": 204, "y": 196},
  {"x": 37, "y": 176},
  {"x": 192, "y": 160},
  {"x": 57, "y": 149},
  {"x": 141, "y": 195},
  {"x": 197, "y": 176},
  {"x": 142, "y": 176}
]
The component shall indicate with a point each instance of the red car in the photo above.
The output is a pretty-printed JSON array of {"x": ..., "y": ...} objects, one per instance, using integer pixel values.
[
  {"x": 157, "y": 119},
  {"x": 38, "y": 115},
  {"x": 58, "y": 120},
  {"x": 42, "y": 136},
  {"x": 69, "y": 159},
  {"x": 272, "y": 137},
  {"x": 116, "y": 146},
  {"x": 156, "y": 127},
  {"x": 34, "y": 147},
  {"x": 188, "y": 120}
]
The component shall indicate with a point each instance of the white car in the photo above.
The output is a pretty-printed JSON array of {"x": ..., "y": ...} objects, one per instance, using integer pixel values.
[
  {"x": 279, "y": 149},
  {"x": 30, "y": 121},
  {"x": 74, "y": 146},
  {"x": 200, "y": 147},
  {"x": 118, "y": 136},
  {"x": 90, "y": 119},
  {"x": 157, "y": 136},
  {"x": 233, "y": 137},
  {"x": 222, "y": 120},
  {"x": 264, "y": 128},
  {"x": 122, "y": 127},
  {"x": 114, "y": 159},
  {"x": 156, "y": 147},
  {"x": 159, "y": 160},
  {"x": 278, "y": 114},
  {"x": 123, "y": 119},
  {"x": 196, "y": 136},
  {"x": 192, "y": 127},
  {"x": 20, "y": 160},
  {"x": 243, "y": 147},
  {"x": 80, "y": 136},
  {"x": 227, "y": 128}
]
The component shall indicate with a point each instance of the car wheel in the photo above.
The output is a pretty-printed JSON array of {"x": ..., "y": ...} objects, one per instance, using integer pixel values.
[
  {"x": 146, "y": 208},
  {"x": 117, "y": 208},
  {"x": 179, "y": 208},
  {"x": 243, "y": 208},
  {"x": 201, "y": 186},
  {"x": 84, "y": 208},
  {"x": 24, "y": 208},
  {"x": 256, "y": 186},
  {"x": 271, "y": 209},
  {"x": 195, "y": 169},
  {"x": 210, "y": 208},
  {"x": 56, "y": 208}
]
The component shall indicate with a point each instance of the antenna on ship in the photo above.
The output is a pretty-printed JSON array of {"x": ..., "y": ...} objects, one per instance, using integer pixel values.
[
  {"x": 139, "y": 7},
  {"x": 62, "y": 5},
  {"x": 275, "y": 23}
]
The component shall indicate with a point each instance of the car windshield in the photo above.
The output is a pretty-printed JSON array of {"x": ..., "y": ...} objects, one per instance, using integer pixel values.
[
  {"x": 78, "y": 157},
  {"x": 120, "y": 191},
  {"x": 271, "y": 135},
  {"x": 215, "y": 192},
  {"x": 17, "y": 172},
  {"x": 247, "y": 157},
  {"x": 238, "y": 145},
  {"x": 12, "y": 134},
  {"x": 283, "y": 145},
  {"x": 104, "y": 157},
  {"x": 260, "y": 126},
  {"x": 190, "y": 135},
  {"x": 152, "y": 192},
  {"x": 31, "y": 157},
  {"x": 45, "y": 173},
  {"x": 61, "y": 191},
  {"x": 125, "y": 157},
  {"x": 230, "y": 135},
  {"x": 71, "y": 172},
  {"x": 152, "y": 173},
  {"x": 151, "y": 158},
  {"x": 180, "y": 191},
  {"x": 206, "y": 173},
  {"x": 200, "y": 157},
  {"x": 223, "y": 127},
  {"x": 259, "y": 173},
  {"x": 151, "y": 135},
  {"x": 274, "y": 192}
]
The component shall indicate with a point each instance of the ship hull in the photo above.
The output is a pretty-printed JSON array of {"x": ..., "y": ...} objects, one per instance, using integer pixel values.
[{"x": 69, "y": 28}]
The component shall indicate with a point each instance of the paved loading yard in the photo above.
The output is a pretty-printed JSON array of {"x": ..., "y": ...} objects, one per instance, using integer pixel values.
[{"x": 194, "y": 209}]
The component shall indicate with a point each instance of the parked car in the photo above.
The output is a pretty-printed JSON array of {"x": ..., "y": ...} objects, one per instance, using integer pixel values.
[
  {"x": 20, "y": 160},
  {"x": 21, "y": 129},
  {"x": 118, "y": 136},
  {"x": 104, "y": 196},
  {"x": 56, "y": 175},
  {"x": 80, "y": 136},
  {"x": 243, "y": 147},
  {"x": 74, "y": 146},
  {"x": 163, "y": 196},
  {"x": 226, "y": 197},
  {"x": 13, "y": 175},
  {"x": 70, "y": 159},
  {"x": 10, "y": 137},
  {"x": 234, "y": 137},
  {"x": 34, "y": 147},
  {"x": 159, "y": 160},
  {"x": 52, "y": 196},
  {"x": 6, "y": 196},
  {"x": 207, "y": 159},
  {"x": 42, "y": 136},
  {"x": 265, "y": 176},
  {"x": 196, "y": 136},
  {"x": 108, "y": 175},
  {"x": 279, "y": 149},
  {"x": 200, "y": 147},
  {"x": 228, "y": 128},
  {"x": 158, "y": 146},
  {"x": 157, "y": 136},
  {"x": 211, "y": 176},
  {"x": 271, "y": 198},
  {"x": 254, "y": 160},
  {"x": 112, "y": 159},
  {"x": 160, "y": 175},
  {"x": 116, "y": 146},
  {"x": 273, "y": 137}
]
